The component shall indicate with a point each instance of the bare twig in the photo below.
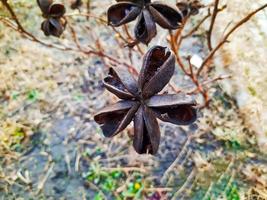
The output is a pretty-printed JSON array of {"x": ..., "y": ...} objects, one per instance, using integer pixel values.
[
  {"x": 194, "y": 29},
  {"x": 65, "y": 48},
  {"x": 213, "y": 18},
  {"x": 88, "y": 7},
  {"x": 225, "y": 38},
  {"x": 14, "y": 16}
]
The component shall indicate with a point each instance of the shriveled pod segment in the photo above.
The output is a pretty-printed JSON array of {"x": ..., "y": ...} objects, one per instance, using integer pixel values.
[
  {"x": 115, "y": 118},
  {"x": 146, "y": 131},
  {"x": 147, "y": 13},
  {"x": 166, "y": 16},
  {"x": 141, "y": 103},
  {"x": 121, "y": 83},
  {"x": 157, "y": 70},
  {"x": 174, "y": 108},
  {"x": 123, "y": 13}
]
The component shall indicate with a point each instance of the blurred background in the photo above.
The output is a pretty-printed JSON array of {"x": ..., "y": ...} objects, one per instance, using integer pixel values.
[{"x": 50, "y": 88}]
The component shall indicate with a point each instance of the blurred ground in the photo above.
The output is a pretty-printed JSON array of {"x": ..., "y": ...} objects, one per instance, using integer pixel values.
[{"x": 50, "y": 147}]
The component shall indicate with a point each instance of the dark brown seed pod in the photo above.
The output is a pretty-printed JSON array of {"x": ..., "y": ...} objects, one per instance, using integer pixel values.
[
  {"x": 51, "y": 9},
  {"x": 115, "y": 118},
  {"x": 141, "y": 104},
  {"x": 56, "y": 10},
  {"x": 53, "y": 12},
  {"x": 176, "y": 108},
  {"x": 53, "y": 26},
  {"x": 121, "y": 83},
  {"x": 190, "y": 7},
  {"x": 148, "y": 13},
  {"x": 123, "y": 13},
  {"x": 44, "y": 5},
  {"x": 145, "y": 28}
]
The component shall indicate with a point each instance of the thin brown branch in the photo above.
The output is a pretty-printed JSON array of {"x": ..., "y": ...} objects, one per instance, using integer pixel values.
[
  {"x": 225, "y": 38},
  {"x": 88, "y": 7},
  {"x": 31, "y": 37},
  {"x": 175, "y": 49},
  {"x": 23, "y": 31},
  {"x": 87, "y": 15},
  {"x": 208, "y": 82},
  {"x": 213, "y": 18},
  {"x": 131, "y": 42},
  {"x": 219, "y": 78},
  {"x": 74, "y": 36},
  {"x": 14, "y": 16},
  {"x": 175, "y": 42},
  {"x": 194, "y": 29}
]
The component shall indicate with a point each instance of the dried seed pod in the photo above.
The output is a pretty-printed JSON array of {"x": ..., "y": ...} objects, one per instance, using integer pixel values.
[
  {"x": 56, "y": 10},
  {"x": 122, "y": 13},
  {"x": 115, "y": 118},
  {"x": 121, "y": 83},
  {"x": 53, "y": 27},
  {"x": 141, "y": 104},
  {"x": 189, "y": 7},
  {"x": 148, "y": 14},
  {"x": 51, "y": 9}
]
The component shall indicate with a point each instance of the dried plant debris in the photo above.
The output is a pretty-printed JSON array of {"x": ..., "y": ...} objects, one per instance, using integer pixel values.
[
  {"x": 148, "y": 13},
  {"x": 12, "y": 136},
  {"x": 256, "y": 194},
  {"x": 53, "y": 13},
  {"x": 140, "y": 102}
]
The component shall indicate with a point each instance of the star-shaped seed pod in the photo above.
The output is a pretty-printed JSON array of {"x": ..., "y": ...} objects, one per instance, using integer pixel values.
[
  {"x": 148, "y": 14},
  {"x": 141, "y": 103},
  {"x": 54, "y": 23}
]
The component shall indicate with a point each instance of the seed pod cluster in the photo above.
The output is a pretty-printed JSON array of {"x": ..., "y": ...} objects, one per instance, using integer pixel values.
[
  {"x": 140, "y": 100},
  {"x": 54, "y": 23}
]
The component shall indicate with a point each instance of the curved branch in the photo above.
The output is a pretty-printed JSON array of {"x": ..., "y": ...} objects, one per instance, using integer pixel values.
[
  {"x": 213, "y": 18},
  {"x": 225, "y": 38}
]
